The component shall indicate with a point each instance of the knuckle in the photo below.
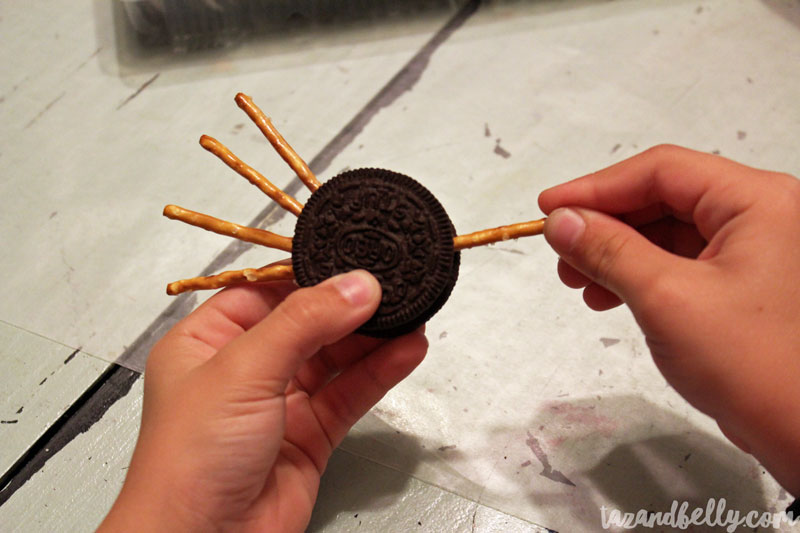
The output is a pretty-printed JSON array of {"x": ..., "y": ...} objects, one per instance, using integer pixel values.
[
  {"x": 785, "y": 200},
  {"x": 156, "y": 358},
  {"x": 664, "y": 151},
  {"x": 793, "y": 188}
]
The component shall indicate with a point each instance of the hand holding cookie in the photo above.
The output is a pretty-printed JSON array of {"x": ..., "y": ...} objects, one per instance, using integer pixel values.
[
  {"x": 704, "y": 252},
  {"x": 245, "y": 400}
]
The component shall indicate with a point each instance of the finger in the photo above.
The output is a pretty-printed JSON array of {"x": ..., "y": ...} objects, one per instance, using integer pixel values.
[
  {"x": 219, "y": 320},
  {"x": 264, "y": 359},
  {"x": 677, "y": 177},
  {"x": 675, "y": 236},
  {"x": 350, "y": 395},
  {"x": 734, "y": 438},
  {"x": 331, "y": 360},
  {"x": 600, "y": 299},
  {"x": 608, "y": 251},
  {"x": 571, "y": 277}
]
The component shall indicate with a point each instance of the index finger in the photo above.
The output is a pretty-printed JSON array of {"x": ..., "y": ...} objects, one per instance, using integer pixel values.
[
  {"x": 207, "y": 329},
  {"x": 694, "y": 186}
]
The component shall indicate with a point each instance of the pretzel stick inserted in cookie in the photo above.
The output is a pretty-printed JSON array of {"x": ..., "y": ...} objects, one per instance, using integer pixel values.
[
  {"x": 278, "y": 142},
  {"x": 267, "y": 273},
  {"x": 503, "y": 233},
  {"x": 223, "y": 227},
  {"x": 251, "y": 174}
]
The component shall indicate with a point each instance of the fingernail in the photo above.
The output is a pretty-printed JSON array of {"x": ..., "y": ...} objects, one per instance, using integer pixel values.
[
  {"x": 563, "y": 228},
  {"x": 356, "y": 287}
]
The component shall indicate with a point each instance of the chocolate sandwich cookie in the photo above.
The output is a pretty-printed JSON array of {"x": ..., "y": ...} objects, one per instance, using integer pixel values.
[{"x": 389, "y": 225}]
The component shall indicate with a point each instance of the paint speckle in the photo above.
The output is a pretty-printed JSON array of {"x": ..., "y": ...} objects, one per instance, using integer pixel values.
[
  {"x": 45, "y": 110},
  {"x": 237, "y": 128},
  {"x": 442, "y": 335},
  {"x": 138, "y": 91},
  {"x": 699, "y": 10},
  {"x": 8, "y": 421},
  {"x": 19, "y": 411},
  {"x": 71, "y": 356},
  {"x": 741, "y": 135},
  {"x": 715, "y": 152},
  {"x": 53, "y": 214},
  {"x": 600, "y": 372},
  {"x": 616, "y": 147},
  {"x": 445, "y": 448},
  {"x": 547, "y": 469},
  {"x": 608, "y": 341},
  {"x": 486, "y": 131},
  {"x": 749, "y": 80},
  {"x": 499, "y": 150},
  {"x": 42, "y": 382},
  {"x": 656, "y": 31},
  {"x": 526, "y": 463},
  {"x": 687, "y": 457}
]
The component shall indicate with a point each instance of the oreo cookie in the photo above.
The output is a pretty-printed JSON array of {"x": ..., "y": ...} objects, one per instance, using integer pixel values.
[{"x": 389, "y": 225}]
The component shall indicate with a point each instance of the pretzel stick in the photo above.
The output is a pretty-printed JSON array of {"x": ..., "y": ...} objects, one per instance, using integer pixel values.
[
  {"x": 251, "y": 174},
  {"x": 223, "y": 227},
  {"x": 278, "y": 142},
  {"x": 503, "y": 233},
  {"x": 267, "y": 273}
]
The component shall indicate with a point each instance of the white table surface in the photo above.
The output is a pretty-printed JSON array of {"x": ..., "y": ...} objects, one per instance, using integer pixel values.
[{"x": 530, "y": 410}]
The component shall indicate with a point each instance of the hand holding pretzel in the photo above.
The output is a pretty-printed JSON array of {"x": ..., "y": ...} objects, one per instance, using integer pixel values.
[{"x": 705, "y": 253}]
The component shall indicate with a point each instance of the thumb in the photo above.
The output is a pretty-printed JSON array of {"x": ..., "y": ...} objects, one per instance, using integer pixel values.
[
  {"x": 609, "y": 252},
  {"x": 270, "y": 353}
]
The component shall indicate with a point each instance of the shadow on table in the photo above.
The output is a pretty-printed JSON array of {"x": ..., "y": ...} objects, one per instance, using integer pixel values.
[
  {"x": 353, "y": 484},
  {"x": 372, "y": 469},
  {"x": 788, "y": 10}
]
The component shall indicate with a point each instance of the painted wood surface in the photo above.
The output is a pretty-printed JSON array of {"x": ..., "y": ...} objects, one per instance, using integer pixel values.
[
  {"x": 40, "y": 380},
  {"x": 528, "y": 403}
]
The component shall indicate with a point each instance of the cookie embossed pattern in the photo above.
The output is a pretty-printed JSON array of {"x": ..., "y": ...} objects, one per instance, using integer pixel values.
[
  {"x": 390, "y": 225},
  {"x": 382, "y": 221}
]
